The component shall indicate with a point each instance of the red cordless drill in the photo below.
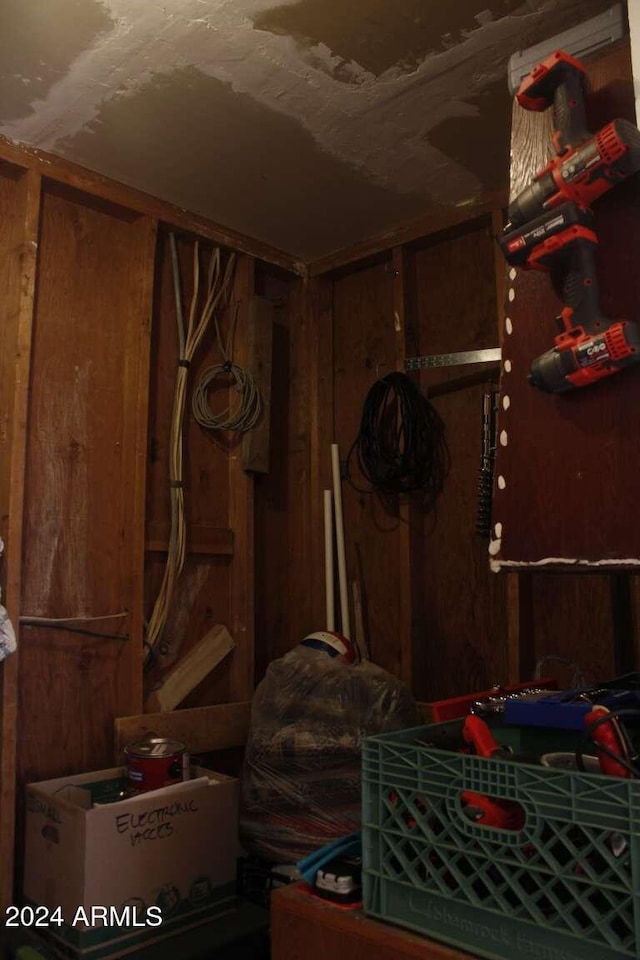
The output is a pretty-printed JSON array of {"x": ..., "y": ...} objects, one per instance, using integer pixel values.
[
  {"x": 585, "y": 165},
  {"x": 590, "y": 346},
  {"x": 551, "y": 227}
]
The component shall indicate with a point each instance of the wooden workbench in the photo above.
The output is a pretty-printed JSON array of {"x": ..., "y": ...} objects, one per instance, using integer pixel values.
[{"x": 305, "y": 928}]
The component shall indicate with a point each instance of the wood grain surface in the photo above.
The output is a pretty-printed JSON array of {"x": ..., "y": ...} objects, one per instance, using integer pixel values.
[
  {"x": 569, "y": 467},
  {"x": 84, "y": 482},
  {"x": 201, "y": 729},
  {"x": 465, "y": 644},
  {"x": 306, "y": 928},
  {"x": 19, "y": 213},
  {"x": 276, "y": 504},
  {"x": 365, "y": 350}
]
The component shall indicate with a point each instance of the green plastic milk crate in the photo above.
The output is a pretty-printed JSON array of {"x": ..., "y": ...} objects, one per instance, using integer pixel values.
[{"x": 564, "y": 886}]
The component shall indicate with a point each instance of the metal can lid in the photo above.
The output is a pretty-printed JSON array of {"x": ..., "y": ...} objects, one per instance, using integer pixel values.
[{"x": 155, "y": 747}]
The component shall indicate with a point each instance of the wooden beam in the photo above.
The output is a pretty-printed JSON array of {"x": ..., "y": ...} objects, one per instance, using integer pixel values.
[
  {"x": 136, "y": 385},
  {"x": 18, "y": 359},
  {"x": 64, "y": 171},
  {"x": 191, "y": 669},
  {"x": 318, "y": 308},
  {"x": 255, "y": 443},
  {"x": 411, "y": 541},
  {"x": 201, "y": 729},
  {"x": 442, "y": 218},
  {"x": 241, "y": 491}
]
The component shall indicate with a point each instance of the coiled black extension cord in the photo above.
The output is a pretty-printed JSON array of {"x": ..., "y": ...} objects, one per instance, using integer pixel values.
[{"x": 401, "y": 445}]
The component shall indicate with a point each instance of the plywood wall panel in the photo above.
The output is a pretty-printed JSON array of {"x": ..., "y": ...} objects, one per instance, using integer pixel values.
[
  {"x": 84, "y": 481},
  {"x": 573, "y": 621},
  {"x": 465, "y": 604},
  {"x": 456, "y": 291},
  {"x": 570, "y": 460},
  {"x": 289, "y": 538},
  {"x": 364, "y": 351}
]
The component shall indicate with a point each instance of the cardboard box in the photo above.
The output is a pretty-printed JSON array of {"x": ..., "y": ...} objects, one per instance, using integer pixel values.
[{"x": 159, "y": 862}]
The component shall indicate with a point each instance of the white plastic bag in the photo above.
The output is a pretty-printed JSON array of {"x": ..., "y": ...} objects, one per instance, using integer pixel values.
[{"x": 7, "y": 634}]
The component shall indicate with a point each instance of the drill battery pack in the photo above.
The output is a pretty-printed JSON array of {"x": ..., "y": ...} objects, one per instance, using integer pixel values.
[{"x": 533, "y": 245}]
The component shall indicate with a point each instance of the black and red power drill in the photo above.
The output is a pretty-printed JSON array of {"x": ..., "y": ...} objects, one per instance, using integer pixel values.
[
  {"x": 585, "y": 165},
  {"x": 590, "y": 346},
  {"x": 551, "y": 227}
]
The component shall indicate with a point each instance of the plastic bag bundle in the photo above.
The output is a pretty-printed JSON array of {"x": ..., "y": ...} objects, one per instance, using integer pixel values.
[
  {"x": 301, "y": 777},
  {"x": 7, "y": 633}
]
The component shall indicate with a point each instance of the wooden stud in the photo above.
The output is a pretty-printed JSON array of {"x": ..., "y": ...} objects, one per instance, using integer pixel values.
[
  {"x": 255, "y": 443},
  {"x": 135, "y": 432},
  {"x": 411, "y": 554},
  {"x": 19, "y": 335},
  {"x": 319, "y": 308},
  {"x": 241, "y": 490},
  {"x": 307, "y": 472}
]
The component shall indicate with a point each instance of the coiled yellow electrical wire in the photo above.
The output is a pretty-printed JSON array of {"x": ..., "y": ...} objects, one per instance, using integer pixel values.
[{"x": 243, "y": 410}]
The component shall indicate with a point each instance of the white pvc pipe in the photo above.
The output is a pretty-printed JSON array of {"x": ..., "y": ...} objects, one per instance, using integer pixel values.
[
  {"x": 342, "y": 563},
  {"x": 328, "y": 560}
]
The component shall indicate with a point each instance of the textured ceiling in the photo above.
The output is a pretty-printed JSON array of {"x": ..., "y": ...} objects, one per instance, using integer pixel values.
[{"x": 310, "y": 125}]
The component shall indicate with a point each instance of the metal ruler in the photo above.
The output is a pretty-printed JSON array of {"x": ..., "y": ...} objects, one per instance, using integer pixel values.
[{"x": 454, "y": 359}]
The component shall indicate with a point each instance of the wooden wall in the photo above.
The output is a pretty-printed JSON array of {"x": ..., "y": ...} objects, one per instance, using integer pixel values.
[
  {"x": 571, "y": 457},
  {"x": 87, "y": 371},
  {"x": 434, "y": 613},
  {"x": 88, "y": 359},
  {"x": 19, "y": 209},
  {"x": 216, "y": 584},
  {"x": 437, "y": 615},
  {"x": 467, "y": 641},
  {"x": 82, "y": 533}
]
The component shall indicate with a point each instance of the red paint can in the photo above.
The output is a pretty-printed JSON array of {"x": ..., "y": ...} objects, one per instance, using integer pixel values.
[{"x": 154, "y": 763}]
